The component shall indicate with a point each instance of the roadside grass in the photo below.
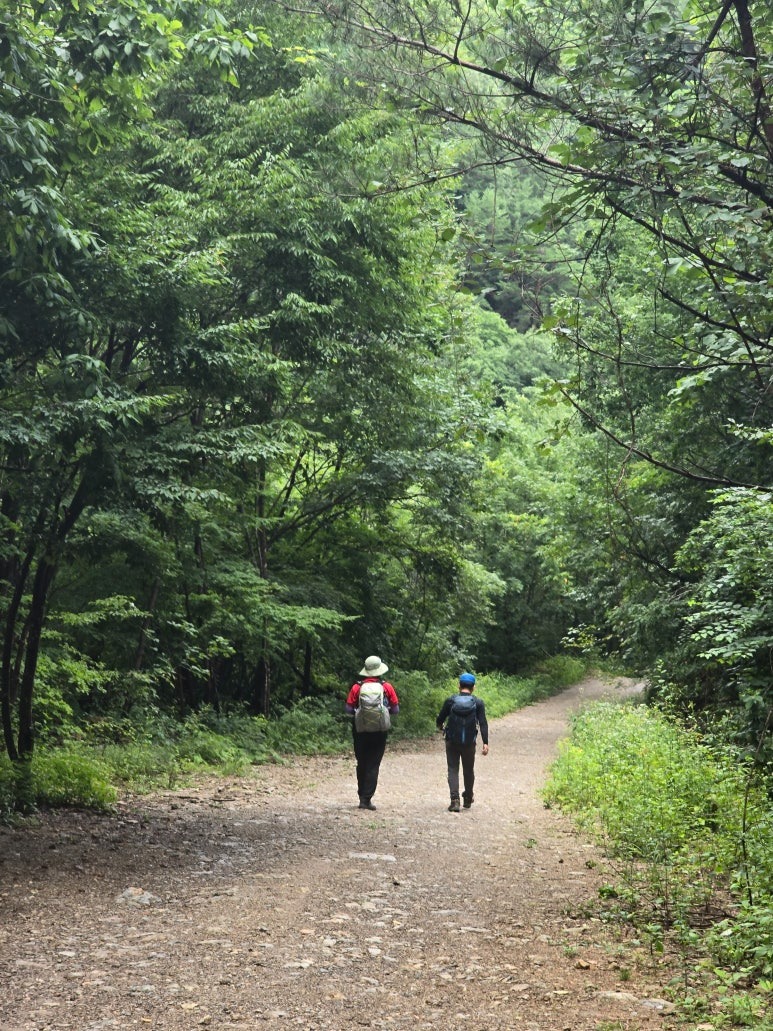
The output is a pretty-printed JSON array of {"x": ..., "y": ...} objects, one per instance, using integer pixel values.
[
  {"x": 154, "y": 750},
  {"x": 688, "y": 829}
]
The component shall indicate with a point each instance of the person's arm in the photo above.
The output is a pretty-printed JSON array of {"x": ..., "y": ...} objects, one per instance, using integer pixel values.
[
  {"x": 442, "y": 716},
  {"x": 352, "y": 699},
  {"x": 480, "y": 707},
  {"x": 393, "y": 703}
]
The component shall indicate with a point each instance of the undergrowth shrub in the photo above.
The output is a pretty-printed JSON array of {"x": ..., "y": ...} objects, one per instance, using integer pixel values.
[
  {"x": 559, "y": 671},
  {"x": 744, "y": 942},
  {"x": 228, "y": 742},
  {"x": 679, "y": 818},
  {"x": 7, "y": 788},
  {"x": 420, "y": 702},
  {"x": 67, "y": 778},
  {"x": 503, "y": 694},
  {"x": 55, "y": 778},
  {"x": 141, "y": 765},
  {"x": 314, "y": 726}
]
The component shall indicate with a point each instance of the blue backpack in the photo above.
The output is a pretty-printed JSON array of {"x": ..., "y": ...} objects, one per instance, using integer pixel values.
[{"x": 462, "y": 723}]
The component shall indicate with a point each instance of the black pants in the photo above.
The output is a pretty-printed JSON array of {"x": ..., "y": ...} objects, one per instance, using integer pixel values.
[
  {"x": 466, "y": 754},
  {"x": 369, "y": 751}
]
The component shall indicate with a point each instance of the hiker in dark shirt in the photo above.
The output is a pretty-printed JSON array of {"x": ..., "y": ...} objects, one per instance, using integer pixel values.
[
  {"x": 460, "y": 718},
  {"x": 370, "y": 740}
]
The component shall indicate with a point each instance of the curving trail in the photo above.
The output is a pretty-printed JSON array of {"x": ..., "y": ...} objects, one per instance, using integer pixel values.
[{"x": 273, "y": 902}]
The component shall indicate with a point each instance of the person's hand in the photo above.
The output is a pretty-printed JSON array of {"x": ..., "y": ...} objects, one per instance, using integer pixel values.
[{"x": 485, "y": 749}]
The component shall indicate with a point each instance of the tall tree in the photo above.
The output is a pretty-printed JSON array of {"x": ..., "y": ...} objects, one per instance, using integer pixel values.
[
  {"x": 250, "y": 368},
  {"x": 652, "y": 124},
  {"x": 652, "y": 115},
  {"x": 73, "y": 75}
]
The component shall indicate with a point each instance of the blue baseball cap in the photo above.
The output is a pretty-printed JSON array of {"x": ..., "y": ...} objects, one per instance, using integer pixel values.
[{"x": 467, "y": 678}]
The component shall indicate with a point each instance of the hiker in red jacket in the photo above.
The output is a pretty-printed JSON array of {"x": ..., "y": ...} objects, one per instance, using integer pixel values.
[{"x": 372, "y": 702}]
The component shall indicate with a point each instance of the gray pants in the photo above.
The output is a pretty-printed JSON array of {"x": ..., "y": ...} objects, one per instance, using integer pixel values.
[{"x": 466, "y": 755}]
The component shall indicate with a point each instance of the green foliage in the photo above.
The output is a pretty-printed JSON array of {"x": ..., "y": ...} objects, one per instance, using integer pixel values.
[
  {"x": 506, "y": 359},
  {"x": 508, "y": 261},
  {"x": 682, "y": 820},
  {"x": 183, "y": 435},
  {"x": 55, "y": 778},
  {"x": 532, "y": 519},
  {"x": 74, "y": 74},
  {"x": 421, "y": 698},
  {"x": 744, "y": 943},
  {"x": 637, "y": 140},
  {"x": 505, "y": 694},
  {"x": 143, "y": 754},
  {"x": 141, "y": 765},
  {"x": 721, "y": 663},
  {"x": 65, "y": 777},
  {"x": 313, "y": 726},
  {"x": 167, "y": 752},
  {"x": 559, "y": 671}
]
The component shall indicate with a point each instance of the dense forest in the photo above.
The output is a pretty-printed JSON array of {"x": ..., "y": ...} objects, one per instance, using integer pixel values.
[
  {"x": 435, "y": 330},
  {"x": 440, "y": 330}
]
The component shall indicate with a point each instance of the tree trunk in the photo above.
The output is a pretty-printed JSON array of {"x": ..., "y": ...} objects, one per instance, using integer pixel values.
[
  {"x": 40, "y": 588},
  {"x": 261, "y": 697},
  {"x": 44, "y": 577},
  {"x": 214, "y": 669},
  {"x": 749, "y": 45},
  {"x": 139, "y": 656},
  {"x": 262, "y": 689},
  {"x": 306, "y": 681},
  {"x": 8, "y": 668}
]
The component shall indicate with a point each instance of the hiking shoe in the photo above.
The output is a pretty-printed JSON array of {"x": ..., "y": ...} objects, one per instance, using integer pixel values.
[
  {"x": 454, "y": 807},
  {"x": 468, "y": 800},
  {"x": 365, "y": 803}
]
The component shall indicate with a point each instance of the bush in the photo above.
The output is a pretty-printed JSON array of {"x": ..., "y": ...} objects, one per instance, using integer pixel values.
[
  {"x": 680, "y": 815},
  {"x": 141, "y": 765},
  {"x": 65, "y": 778},
  {"x": 504, "y": 694},
  {"x": 421, "y": 700},
  {"x": 55, "y": 778},
  {"x": 560, "y": 671},
  {"x": 208, "y": 739},
  {"x": 7, "y": 788},
  {"x": 313, "y": 726},
  {"x": 744, "y": 943}
]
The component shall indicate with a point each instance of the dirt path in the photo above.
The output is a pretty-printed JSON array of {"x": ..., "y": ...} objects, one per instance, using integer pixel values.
[{"x": 273, "y": 902}]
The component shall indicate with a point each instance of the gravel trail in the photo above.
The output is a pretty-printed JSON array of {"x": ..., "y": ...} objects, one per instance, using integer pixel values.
[{"x": 271, "y": 901}]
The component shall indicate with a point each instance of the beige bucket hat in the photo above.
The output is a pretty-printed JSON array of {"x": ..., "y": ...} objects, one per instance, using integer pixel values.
[{"x": 373, "y": 667}]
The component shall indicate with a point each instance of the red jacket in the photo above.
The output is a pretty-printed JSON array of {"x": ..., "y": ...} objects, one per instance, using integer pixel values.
[{"x": 390, "y": 695}]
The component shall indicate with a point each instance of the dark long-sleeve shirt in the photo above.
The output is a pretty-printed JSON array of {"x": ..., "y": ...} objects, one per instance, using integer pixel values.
[{"x": 480, "y": 715}]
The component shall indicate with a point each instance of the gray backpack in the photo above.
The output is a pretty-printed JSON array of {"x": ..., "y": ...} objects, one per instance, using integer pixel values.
[{"x": 371, "y": 714}]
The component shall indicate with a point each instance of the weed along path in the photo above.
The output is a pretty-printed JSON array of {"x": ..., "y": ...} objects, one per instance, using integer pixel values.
[{"x": 271, "y": 901}]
